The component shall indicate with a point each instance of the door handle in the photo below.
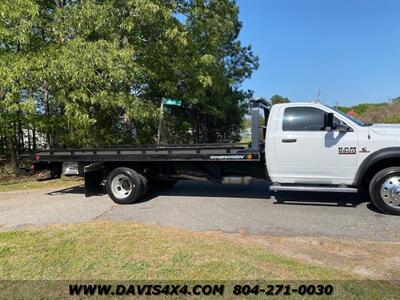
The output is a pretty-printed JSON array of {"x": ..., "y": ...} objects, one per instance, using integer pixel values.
[{"x": 289, "y": 140}]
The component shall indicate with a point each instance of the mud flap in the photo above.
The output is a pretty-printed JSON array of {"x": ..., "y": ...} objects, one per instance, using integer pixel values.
[{"x": 93, "y": 179}]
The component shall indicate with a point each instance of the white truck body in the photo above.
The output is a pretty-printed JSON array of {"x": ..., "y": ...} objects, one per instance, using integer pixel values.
[
  {"x": 318, "y": 156},
  {"x": 308, "y": 147}
]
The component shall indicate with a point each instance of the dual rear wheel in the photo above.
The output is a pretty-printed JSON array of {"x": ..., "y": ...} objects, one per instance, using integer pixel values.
[{"x": 126, "y": 186}]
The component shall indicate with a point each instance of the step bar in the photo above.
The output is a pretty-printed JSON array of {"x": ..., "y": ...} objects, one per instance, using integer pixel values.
[{"x": 298, "y": 188}]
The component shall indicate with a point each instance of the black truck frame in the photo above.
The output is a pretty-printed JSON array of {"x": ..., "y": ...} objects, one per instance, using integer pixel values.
[{"x": 136, "y": 167}]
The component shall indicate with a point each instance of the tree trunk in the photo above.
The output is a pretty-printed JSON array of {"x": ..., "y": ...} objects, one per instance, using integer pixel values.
[
  {"x": 124, "y": 40},
  {"x": 1, "y": 144},
  {"x": 13, "y": 154},
  {"x": 59, "y": 3},
  {"x": 128, "y": 130},
  {"x": 49, "y": 131},
  {"x": 34, "y": 139},
  {"x": 48, "y": 139},
  {"x": 21, "y": 144},
  {"x": 29, "y": 140}
]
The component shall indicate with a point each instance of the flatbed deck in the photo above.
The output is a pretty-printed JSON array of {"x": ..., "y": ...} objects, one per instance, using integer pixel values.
[
  {"x": 127, "y": 172},
  {"x": 198, "y": 152}
]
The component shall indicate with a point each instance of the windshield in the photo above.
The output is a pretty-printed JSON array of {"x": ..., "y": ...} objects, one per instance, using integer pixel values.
[{"x": 357, "y": 121}]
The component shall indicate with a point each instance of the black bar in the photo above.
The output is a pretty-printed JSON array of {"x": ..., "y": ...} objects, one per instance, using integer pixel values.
[{"x": 155, "y": 158}]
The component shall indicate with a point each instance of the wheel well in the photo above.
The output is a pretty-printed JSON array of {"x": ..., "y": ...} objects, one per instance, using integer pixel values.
[{"x": 376, "y": 167}]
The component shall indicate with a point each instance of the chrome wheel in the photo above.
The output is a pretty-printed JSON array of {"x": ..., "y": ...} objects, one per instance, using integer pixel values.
[
  {"x": 122, "y": 186},
  {"x": 390, "y": 192}
]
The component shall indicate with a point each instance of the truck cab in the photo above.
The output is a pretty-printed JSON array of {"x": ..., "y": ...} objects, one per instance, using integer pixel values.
[{"x": 313, "y": 147}]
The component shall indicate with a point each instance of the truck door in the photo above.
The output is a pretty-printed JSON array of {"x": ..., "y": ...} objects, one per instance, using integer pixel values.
[{"x": 305, "y": 153}]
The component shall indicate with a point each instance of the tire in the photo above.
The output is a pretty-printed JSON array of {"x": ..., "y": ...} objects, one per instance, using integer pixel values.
[
  {"x": 55, "y": 172},
  {"x": 384, "y": 190},
  {"x": 124, "y": 186},
  {"x": 145, "y": 183}
]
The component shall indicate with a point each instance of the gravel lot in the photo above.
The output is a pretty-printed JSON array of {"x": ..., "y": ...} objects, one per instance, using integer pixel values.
[{"x": 209, "y": 207}]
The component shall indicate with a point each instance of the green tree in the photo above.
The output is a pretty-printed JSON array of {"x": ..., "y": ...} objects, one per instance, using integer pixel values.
[
  {"x": 90, "y": 73},
  {"x": 276, "y": 99},
  {"x": 18, "y": 19},
  {"x": 204, "y": 64},
  {"x": 396, "y": 100},
  {"x": 344, "y": 109}
]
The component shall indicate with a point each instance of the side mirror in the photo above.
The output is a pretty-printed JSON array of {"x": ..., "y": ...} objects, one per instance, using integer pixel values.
[
  {"x": 344, "y": 128},
  {"x": 328, "y": 121}
]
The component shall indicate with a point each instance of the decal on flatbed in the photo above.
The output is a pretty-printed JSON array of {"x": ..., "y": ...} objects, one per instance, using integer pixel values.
[
  {"x": 234, "y": 157},
  {"x": 225, "y": 157},
  {"x": 347, "y": 150}
]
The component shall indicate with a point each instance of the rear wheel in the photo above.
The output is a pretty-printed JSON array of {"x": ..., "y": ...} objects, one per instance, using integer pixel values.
[
  {"x": 145, "y": 183},
  {"x": 124, "y": 186},
  {"x": 384, "y": 190},
  {"x": 55, "y": 171}
]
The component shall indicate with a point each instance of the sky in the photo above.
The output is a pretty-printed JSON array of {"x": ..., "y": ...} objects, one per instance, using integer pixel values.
[{"x": 347, "y": 49}]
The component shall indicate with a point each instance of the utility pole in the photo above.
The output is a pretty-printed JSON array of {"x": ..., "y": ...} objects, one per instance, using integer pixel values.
[{"x": 319, "y": 96}]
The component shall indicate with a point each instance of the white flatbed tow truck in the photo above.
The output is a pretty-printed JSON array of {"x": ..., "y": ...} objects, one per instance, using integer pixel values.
[{"x": 302, "y": 147}]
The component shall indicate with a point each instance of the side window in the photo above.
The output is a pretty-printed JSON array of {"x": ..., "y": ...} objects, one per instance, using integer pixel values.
[{"x": 303, "y": 119}]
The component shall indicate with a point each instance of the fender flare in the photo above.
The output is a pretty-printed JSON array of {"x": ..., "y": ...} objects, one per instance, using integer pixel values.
[{"x": 373, "y": 158}]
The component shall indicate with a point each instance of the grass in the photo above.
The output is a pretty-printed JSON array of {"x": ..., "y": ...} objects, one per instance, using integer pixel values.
[
  {"x": 113, "y": 251},
  {"x": 29, "y": 182},
  {"x": 9, "y": 181},
  {"x": 246, "y": 139},
  {"x": 126, "y": 251}
]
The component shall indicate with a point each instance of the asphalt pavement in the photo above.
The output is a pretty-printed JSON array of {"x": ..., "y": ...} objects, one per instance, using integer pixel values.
[{"x": 205, "y": 206}]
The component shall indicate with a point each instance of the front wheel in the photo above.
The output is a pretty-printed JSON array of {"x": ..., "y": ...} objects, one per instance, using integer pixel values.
[
  {"x": 124, "y": 186},
  {"x": 384, "y": 190}
]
